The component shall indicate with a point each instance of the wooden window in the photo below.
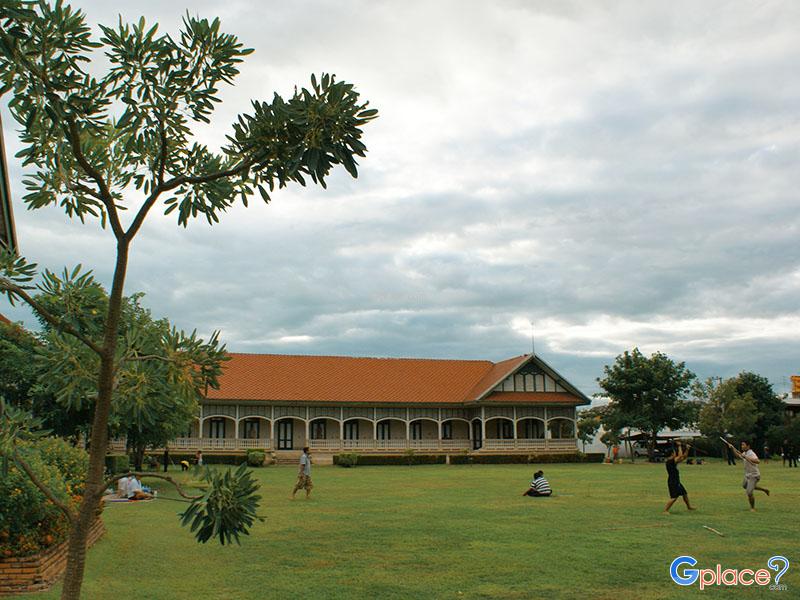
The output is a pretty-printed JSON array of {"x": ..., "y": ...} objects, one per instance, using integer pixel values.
[
  {"x": 319, "y": 429},
  {"x": 505, "y": 429},
  {"x": 217, "y": 428},
  {"x": 384, "y": 430},
  {"x": 351, "y": 430},
  {"x": 447, "y": 430},
  {"x": 252, "y": 429},
  {"x": 416, "y": 430}
]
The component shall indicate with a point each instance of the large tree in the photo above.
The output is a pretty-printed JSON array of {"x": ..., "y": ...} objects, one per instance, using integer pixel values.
[
  {"x": 649, "y": 393},
  {"x": 21, "y": 383},
  {"x": 745, "y": 407},
  {"x": 150, "y": 407},
  {"x": 117, "y": 144}
]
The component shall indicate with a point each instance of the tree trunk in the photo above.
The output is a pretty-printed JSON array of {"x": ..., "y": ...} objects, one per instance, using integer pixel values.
[
  {"x": 629, "y": 444},
  {"x": 76, "y": 554},
  {"x": 652, "y": 450},
  {"x": 138, "y": 458}
]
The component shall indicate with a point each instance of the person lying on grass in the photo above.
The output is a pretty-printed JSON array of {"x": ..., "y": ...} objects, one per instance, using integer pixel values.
[
  {"x": 676, "y": 489},
  {"x": 539, "y": 486}
]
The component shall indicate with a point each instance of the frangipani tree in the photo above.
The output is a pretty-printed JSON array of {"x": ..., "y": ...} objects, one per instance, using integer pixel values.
[{"x": 112, "y": 147}]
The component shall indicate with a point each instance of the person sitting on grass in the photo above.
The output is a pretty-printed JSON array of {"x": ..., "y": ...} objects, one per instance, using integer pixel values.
[
  {"x": 135, "y": 491},
  {"x": 676, "y": 489},
  {"x": 539, "y": 486}
]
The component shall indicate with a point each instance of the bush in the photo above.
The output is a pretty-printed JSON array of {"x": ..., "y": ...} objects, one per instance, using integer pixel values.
[
  {"x": 118, "y": 463},
  {"x": 211, "y": 459},
  {"x": 30, "y": 522},
  {"x": 521, "y": 459},
  {"x": 256, "y": 458},
  {"x": 346, "y": 460},
  {"x": 392, "y": 459},
  {"x": 71, "y": 462}
]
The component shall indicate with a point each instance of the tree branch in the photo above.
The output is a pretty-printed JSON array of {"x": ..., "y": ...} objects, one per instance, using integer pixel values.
[
  {"x": 105, "y": 197},
  {"x": 177, "y": 182},
  {"x": 6, "y": 285},
  {"x": 111, "y": 481},
  {"x": 197, "y": 179},
  {"x": 71, "y": 515}
]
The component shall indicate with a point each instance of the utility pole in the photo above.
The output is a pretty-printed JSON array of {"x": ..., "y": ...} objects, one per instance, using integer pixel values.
[{"x": 8, "y": 236}]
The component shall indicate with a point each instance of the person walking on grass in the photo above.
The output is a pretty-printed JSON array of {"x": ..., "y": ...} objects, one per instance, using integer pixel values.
[
  {"x": 304, "y": 475},
  {"x": 676, "y": 489},
  {"x": 751, "y": 473}
]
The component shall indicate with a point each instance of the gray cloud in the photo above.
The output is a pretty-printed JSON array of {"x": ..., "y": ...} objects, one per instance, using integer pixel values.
[{"x": 618, "y": 173}]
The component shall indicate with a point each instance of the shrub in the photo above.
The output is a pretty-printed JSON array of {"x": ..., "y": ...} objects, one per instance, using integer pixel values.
[
  {"x": 118, "y": 463},
  {"x": 211, "y": 459},
  {"x": 71, "y": 462},
  {"x": 509, "y": 459},
  {"x": 30, "y": 522},
  {"x": 393, "y": 459},
  {"x": 346, "y": 460},
  {"x": 255, "y": 458}
]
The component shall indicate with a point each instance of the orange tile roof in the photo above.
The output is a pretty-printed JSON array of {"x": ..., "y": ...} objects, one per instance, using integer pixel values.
[
  {"x": 278, "y": 377},
  {"x": 298, "y": 378},
  {"x": 533, "y": 398},
  {"x": 4, "y": 320}
]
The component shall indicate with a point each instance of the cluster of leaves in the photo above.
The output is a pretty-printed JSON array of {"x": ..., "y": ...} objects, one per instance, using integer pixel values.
[
  {"x": 256, "y": 458},
  {"x": 91, "y": 138},
  {"x": 745, "y": 407},
  {"x": 647, "y": 393},
  {"x": 30, "y": 521},
  {"x": 227, "y": 509}
]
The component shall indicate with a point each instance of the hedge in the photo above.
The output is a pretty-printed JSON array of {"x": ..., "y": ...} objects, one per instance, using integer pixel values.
[
  {"x": 390, "y": 459},
  {"x": 29, "y": 523},
  {"x": 256, "y": 458},
  {"x": 210, "y": 459},
  {"x": 118, "y": 463},
  {"x": 519, "y": 459}
]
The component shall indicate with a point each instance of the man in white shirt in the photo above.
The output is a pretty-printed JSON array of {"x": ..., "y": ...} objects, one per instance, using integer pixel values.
[
  {"x": 304, "y": 476},
  {"x": 135, "y": 491},
  {"x": 751, "y": 473},
  {"x": 122, "y": 487}
]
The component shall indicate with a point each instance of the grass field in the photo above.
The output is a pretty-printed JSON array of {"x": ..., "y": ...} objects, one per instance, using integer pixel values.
[{"x": 459, "y": 532}]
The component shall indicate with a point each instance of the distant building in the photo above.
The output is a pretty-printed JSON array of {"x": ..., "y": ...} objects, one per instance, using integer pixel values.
[
  {"x": 386, "y": 405},
  {"x": 793, "y": 401}
]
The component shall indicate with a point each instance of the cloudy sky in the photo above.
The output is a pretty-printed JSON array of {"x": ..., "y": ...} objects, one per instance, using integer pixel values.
[{"x": 620, "y": 174}]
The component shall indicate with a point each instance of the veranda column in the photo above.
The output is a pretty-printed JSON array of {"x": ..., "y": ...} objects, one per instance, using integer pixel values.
[
  {"x": 439, "y": 423},
  {"x": 272, "y": 434},
  {"x": 514, "y": 425},
  {"x": 341, "y": 428},
  {"x": 236, "y": 431},
  {"x": 483, "y": 426},
  {"x": 547, "y": 435}
]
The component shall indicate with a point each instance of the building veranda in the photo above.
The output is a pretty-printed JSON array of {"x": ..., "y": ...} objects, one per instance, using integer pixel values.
[{"x": 332, "y": 404}]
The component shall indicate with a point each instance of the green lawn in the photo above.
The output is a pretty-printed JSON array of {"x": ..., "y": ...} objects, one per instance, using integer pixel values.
[{"x": 459, "y": 532}]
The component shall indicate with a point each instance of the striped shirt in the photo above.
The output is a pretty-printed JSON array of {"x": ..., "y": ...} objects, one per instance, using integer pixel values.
[{"x": 541, "y": 486}]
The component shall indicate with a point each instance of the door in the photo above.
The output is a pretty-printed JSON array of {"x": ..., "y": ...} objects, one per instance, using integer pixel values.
[
  {"x": 477, "y": 437},
  {"x": 285, "y": 433}
]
